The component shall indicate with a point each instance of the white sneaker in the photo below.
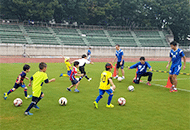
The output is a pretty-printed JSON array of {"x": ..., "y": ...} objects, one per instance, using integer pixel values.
[
  {"x": 115, "y": 77},
  {"x": 89, "y": 79},
  {"x": 123, "y": 78}
]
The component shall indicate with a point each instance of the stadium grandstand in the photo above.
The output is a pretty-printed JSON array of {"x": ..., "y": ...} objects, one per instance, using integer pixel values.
[{"x": 57, "y": 34}]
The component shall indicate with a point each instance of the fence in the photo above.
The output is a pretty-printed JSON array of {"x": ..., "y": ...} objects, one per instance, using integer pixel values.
[{"x": 77, "y": 51}]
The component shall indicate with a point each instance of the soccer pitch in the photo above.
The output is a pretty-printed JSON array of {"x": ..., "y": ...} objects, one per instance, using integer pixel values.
[{"x": 147, "y": 108}]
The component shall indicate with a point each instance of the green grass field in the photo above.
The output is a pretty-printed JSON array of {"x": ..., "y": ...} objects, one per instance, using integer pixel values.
[{"x": 147, "y": 108}]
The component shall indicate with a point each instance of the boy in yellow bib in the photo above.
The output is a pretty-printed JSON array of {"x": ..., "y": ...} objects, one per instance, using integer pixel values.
[
  {"x": 38, "y": 79},
  {"x": 106, "y": 80}
]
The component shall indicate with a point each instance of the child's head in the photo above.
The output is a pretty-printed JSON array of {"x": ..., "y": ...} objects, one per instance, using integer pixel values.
[
  {"x": 173, "y": 45},
  {"x": 84, "y": 56},
  {"x": 76, "y": 64},
  {"x": 26, "y": 68},
  {"x": 142, "y": 60},
  {"x": 89, "y": 48},
  {"x": 67, "y": 59},
  {"x": 108, "y": 67},
  {"x": 43, "y": 66},
  {"x": 117, "y": 46}
]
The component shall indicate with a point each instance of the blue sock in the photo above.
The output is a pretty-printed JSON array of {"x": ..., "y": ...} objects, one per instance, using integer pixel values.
[
  {"x": 25, "y": 92},
  {"x": 11, "y": 90},
  {"x": 98, "y": 98},
  {"x": 30, "y": 106},
  {"x": 109, "y": 99}
]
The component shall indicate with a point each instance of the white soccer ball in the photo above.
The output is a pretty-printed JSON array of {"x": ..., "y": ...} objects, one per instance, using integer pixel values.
[
  {"x": 17, "y": 102},
  {"x": 119, "y": 78},
  {"x": 121, "y": 101},
  {"x": 131, "y": 88},
  {"x": 63, "y": 101},
  {"x": 77, "y": 79}
]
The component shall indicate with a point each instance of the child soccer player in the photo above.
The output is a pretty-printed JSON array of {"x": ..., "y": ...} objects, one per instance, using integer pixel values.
[
  {"x": 119, "y": 55},
  {"x": 175, "y": 57},
  {"x": 82, "y": 63},
  {"x": 19, "y": 82},
  {"x": 106, "y": 80},
  {"x": 89, "y": 54},
  {"x": 142, "y": 66},
  {"x": 72, "y": 77},
  {"x": 68, "y": 65},
  {"x": 38, "y": 78}
]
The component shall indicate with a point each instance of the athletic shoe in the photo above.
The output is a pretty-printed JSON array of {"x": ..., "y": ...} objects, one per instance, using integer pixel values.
[
  {"x": 5, "y": 96},
  {"x": 68, "y": 89},
  {"x": 61, "y": 75},
  {"x": 115, "y": 77},
  {"x": 123, "y": 78},
  {"x": 110, "y": 106},
  {"x": 95, "y": 104},
  {"x": 89, "y": 79},
  {"x": 29, "y": 96},
  {"x": 172, "y": 88},
  {"x": 148, "y": 84},
  {"x": 28, "y": 113},
  {"x": 76, "y": 90},
  {"x": 35, "y": 106}
]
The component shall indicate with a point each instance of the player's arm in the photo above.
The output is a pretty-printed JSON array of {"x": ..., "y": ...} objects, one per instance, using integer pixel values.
[
  {"x": 49, "y": 81},
  {"x": 169, "y": 63},
  {"x": 27, "y": 78},
  {"x": 114, "y": 59},
  {"x": 122, "y": 59},
  {"x": 112, "y": 84},
  {"x": 150, "y": 68},
  {"x": 184, "y": 60},
  {"x": 133, "y": 66},
  {"x": 79, "y": 74},
  {"x": 30, "y": 81},
  {"x": 19, "y": 78}
]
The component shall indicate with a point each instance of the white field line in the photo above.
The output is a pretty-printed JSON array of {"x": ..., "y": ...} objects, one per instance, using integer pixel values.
[
  {"x": 167, "y": 79},
  {"x": 164, "y": 87}
]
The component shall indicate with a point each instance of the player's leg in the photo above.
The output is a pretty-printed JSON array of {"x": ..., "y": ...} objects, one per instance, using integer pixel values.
[
  {"x": 25, "y": 92},
  {"x": 69, "y": 88},
  {"x": 34, "y": 101},
  {"x": 101, "y": 93},
  {"x": 81, "y": 69},
  {"x": 11, "y": 90},
  {"x": 110, "y": 93},
  {"x": 137, "y": 80},
  {"x": 174, "y": 77},
  {"x": 76, "y": 85},
  {"x": 149, "y": 74},
  {"x": 122, "y": 71},
  {"x": 41, "y": 96}
]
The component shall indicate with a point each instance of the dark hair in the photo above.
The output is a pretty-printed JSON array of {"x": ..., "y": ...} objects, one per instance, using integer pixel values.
[
  {"x": 76, "y": 63},
  {"x": 42, "y": 65},
  {"x": 89, "y": 47},
  {"x": 142, "y": 58},
  {"x": 117, "y": 45},
  {"x": 26, "y": 67},
  {"x": 83, "y": 56},
  {"x": 174, "y": 43},
  {"x": 108, "y": 66}
]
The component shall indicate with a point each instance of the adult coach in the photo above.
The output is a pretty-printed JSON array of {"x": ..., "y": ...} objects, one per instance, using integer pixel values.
[
  {"x": 119, "y": 55},
  {"x": 175, "y": 57}
]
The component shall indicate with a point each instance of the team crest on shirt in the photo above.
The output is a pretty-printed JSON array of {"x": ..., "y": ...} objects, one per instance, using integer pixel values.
[{"x": 140, "y": 66}]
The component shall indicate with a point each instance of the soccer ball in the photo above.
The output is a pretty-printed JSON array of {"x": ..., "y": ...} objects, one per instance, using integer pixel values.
[
  {"x": 17, "y": 102},
  {"x": 131, "y": 88},
  {"x": 121, "y": 101},
  {"x": 77, "y": 79},
  {"x": 63, "y": 101},
  {"x": 119, "y": 78}
]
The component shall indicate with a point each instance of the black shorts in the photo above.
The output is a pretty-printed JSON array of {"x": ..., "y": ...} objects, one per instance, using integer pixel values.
[
  {"x": 35, "y": 99},
  {"x": 74, "y": 82},
  {"x": 118, "y": 65},
  {"x": 81, "y": 68},
  {"x": 19, "y": 85}
]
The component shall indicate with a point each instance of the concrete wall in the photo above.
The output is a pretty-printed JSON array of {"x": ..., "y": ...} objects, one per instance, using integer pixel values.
[{"x": 77, "y": 51}]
